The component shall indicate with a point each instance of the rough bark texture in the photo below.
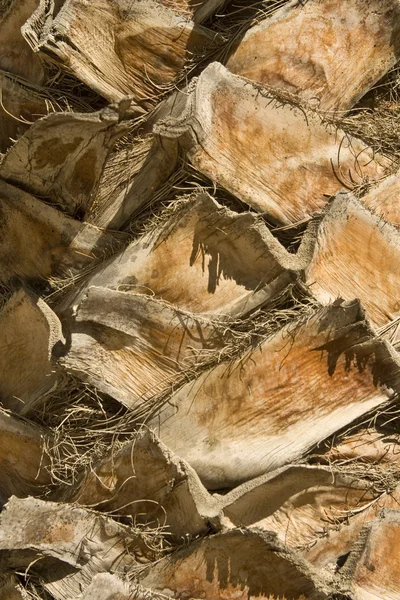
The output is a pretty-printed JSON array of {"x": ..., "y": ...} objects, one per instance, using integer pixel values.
[
  {"x": 242, "y": 564},
  {"x": 20, "y": 107},
  {"x": 38, "y": 241},
  {"x": 23, "y": 463},
  {"x": 199, "y": 322},
  {"x": 134, "y": 347}
]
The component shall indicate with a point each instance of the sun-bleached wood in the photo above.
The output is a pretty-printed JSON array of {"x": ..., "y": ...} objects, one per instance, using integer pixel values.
[
  {"x": 205, "y": 258},
  {"x": 148, "y": 482},
  {"x": 371, "y": 571},
  {"x": 134, "y": 347},
  {"x": 327, "y": 53},
  {"x": 384, "y": 199},
  {"x": 355, "y": 255},
  {"x": 119, "y": 48},
  {"x": 282, "y": 160},
  {"x": 299, "y": 503},
  {"x": 340, "y": 540},
  {"x": 130, "y": 180},
  {"x": 73, "y": 545},
  {"x": 265, "y": 409}
]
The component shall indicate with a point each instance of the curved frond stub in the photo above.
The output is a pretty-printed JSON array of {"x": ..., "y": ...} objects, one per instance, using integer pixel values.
[
  {"x": 61, "y": 157},
  {"x": 23, "y": 461},
  {"x": 371, "y": 571},
  {"x": 156, "y": 488},
  {"x": 267, "y": 408},
  {"x": 280, "y": 159},
  {"x": 383, "y": 199},
  {"x": 356, "y": 254},
  {"x": 29, "y": 332},
  {"x": 134, "y": 347},
  {"x": 242, "y": 563},
  {"x": 121, "y": 48},
  {"x": 204, "y": 259},
  {"x": 327, "y": 53},
  {"x": 73, "y": 545},
  {"x": 38, "y": 241},
  {"x": 299, "y": 503}
]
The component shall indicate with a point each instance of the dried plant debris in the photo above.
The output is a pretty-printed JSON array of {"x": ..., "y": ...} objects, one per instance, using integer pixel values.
[
  {"x": 384, "y": 199},
  {"x": 10, "y": 588},
  {"x": 38, "y": 241},
  {"x": 20, "y": 106},
  {"x": 370, "y": 570},
  {"x": 119, "y": 48},
  {"x": 62, "y": 156},
  {"x": 204, "y": 258},
  {"x": 133, "y": 347},
  {"x": 132, "y": 179},
  {"x": 301, "y": 504},
  {"x": 281, "y": 159},
  {"x": 370, "y": 446},
  {"x": 147, "y": 482},
  {"x": 24, "y": 464},
  {"x": 355, "y": 254},
  {"x": 68, "y": 545},
  {"x": 243, "y": 564},
  {"x": 326, "y": 53},
  {"x": 15, "y": 54},
  {"x": 266, "y": 408},
  {"x": 30, "y": 333}
]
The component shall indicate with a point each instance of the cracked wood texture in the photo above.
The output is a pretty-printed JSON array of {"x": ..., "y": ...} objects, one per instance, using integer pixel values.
[
  {"x": 73, "y": 545},
  {"x": 356, "y": 254},
  {"x": 370, "y": 569},
  {"x": 234, "y": 423},
  {"x": 121, "y": 48},
  {"x": 340, "y": 540},
  {"x": 205, "y": 258},
  {"x": 280, "y": 159},
  {"x": 326, "y": 53},
  {"x": 301, "y": 504},
  {"x": 383, "y": 199}
]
